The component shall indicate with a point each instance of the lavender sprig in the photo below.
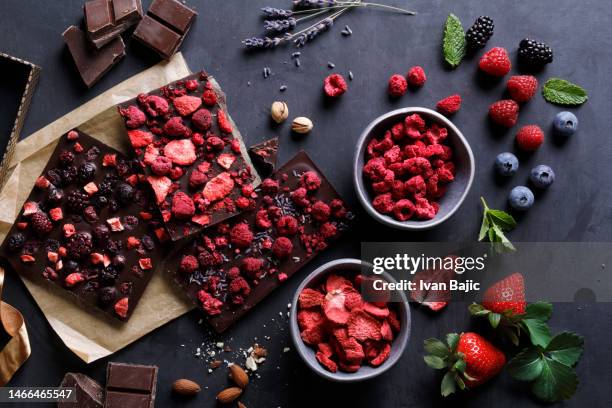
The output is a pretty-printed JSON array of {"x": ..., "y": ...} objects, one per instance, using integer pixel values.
[
  {"x": 280, "y": 25},
  {"x": 301, "y": 39},
  {"x": 259, "y": 43},
  {"x": 313, "y": 3},
  {"x": 272, "y": 12}
]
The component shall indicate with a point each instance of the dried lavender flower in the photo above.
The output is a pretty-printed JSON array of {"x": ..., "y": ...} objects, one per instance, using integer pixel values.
[
  {"x": 280, "y": 25},
  {"x": 309, "y": 35},
  {"x": 265, "y": 42},
  {"x": 313, "y": 3},
  {"x": 276, "y": 12}
]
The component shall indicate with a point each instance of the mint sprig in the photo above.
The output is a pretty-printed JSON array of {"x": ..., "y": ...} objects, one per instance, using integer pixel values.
[
  {"x": 562, "y": 92},
  {"x": 550, "y": 367},
  {"x": 453, "y": 43},
  {"x": 494, "y": 224}
]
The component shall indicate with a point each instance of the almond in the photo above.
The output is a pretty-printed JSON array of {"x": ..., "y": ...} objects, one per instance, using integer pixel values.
[
  {"x": 241, "y": 405},
  {"x": 238, "y": 375},
  {"x": 229, "y": 395},
  {"x": 185, "y": 387}
]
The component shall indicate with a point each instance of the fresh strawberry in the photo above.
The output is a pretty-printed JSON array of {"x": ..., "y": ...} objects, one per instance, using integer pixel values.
[
  {"x": 186, "y": 105},
  {"x": 522, "y": 87},
  {"x": 181, "y": 152},
  {"x": 504, "y": 112},
  {"x": 506, "y": 295},
  {"x": 469, "y": 358},
  {"x": 495, "y": 62},
  {"x": 530, "y": 137},
  {"x": 449, "y": 105}
]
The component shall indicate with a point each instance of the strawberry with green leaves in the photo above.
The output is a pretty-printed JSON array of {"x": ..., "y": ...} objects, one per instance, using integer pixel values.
[
  {"x": 506, "y": 296},
  {"x": 469, "y": 358}
]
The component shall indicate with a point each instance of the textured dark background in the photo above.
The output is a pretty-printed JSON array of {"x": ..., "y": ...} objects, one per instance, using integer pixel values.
[{"x": 577, "y": 208}]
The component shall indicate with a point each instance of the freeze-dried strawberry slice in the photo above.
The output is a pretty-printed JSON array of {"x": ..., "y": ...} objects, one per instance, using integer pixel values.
[
  {"x": 326, "y": 362},
  {"x": 333, "y": 307},
  {"x": 140, "y": 138},
  {"x": 352, "y": 298},
  {"x": 382, "y": 357},
  {"x": 218, "y": 187},
  {"x": 385, "y": 331},
  {"x": 348, "y": 368},
  {"x": 161, "y": 186},
  {"x": 378, "y": 312},
  {"x": 186, "y": 105},
  {"x": 335, "y": 282},
  {"x": 352, "y": 350},
  {"x": 362, "y": 326},
  {"x": 226, "y": 160},
  {"x": 183, "y": 207},
  {"x": 223, "y": 121},
  {"x": 151, "y": 153},
  {"x": 309, "y": 318},
  {"x": 121, "y": 307},
  {"x": 181, "y": 152},
  {"x": 394, "y": 321},
  {"x": 310, "y": 298},
  {"x": 326, "y": 349},
  {"x": 313, "y": 335}
]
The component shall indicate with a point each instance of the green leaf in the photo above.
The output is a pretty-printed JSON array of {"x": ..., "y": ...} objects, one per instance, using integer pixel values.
[
  {"x": 460, "y": 382},
  {"x": 502, "y": 219},
  {"x": 436, "y": 348},
  {"x": 494, "y": 223},
  {"x": 434, "y": 362},
  {"x": 484, "y": 228},
  {"x": 476, "y": 309},
  {"x": 460, "y": 366},
  {"x": 539, "y": 332},
  {"x": 526, "y": 365},
  {"x": 448, "y": 385},
  {"x": 562, "y": 92},
  {"x": 454, "y": 43},
  {"x": 566, "y": 348},
  {"x": 556, "y": 382},
  {"x": 494, "y": 319},
  {"x": 452, "y": 339},
  {"x": 539, "y": 311}
]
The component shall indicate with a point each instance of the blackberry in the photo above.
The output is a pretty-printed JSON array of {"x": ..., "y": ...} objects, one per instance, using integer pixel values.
[
  {"x": 87, "y": 172},
  {"x": 90, "y": 215},
  {"x": 16, "y": 241},
  {"x": 69, "y": 174},
  {"x": 479, "y": 33},
  {"x": 55, "y": 195},
  {"x": 70, "y": 266},
  {"x": 66, "y": 158},
  {"x": 114, "y": 246},
  {"x": 92, "y": 154},
  {"x": 534, "y": 53},
  {"x": 55, "y": 177},
  {"x": 107, "y": 276},
  {"x": 101, "y": 233},
  {"x": 124, "y": 193},
  {"x": 52, "y": 245},
  {"x": 79, "y": 246},
  {"x": 105, "y": 187},
  {"x": 107, "y": 295},
  {"x": 99, "y": 202},
  {"x": 41, "y": 223},
  {"x": 77, "y": 200},
  {"x": 119, "y": 261}
]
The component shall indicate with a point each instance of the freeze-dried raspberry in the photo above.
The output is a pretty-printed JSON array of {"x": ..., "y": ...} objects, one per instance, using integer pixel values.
[
  {"x": 383, "y": 203},
  {"x": 239, "y": 289},
  {"x": 244, "y": 203},
  {"x": 241, "y": 235},
  {"x": 224, "y": 124},
  {"x": 154, "y": 105},
  {"x": 191, "y": 85},
  {"x": 362, "y": 326},
  {"x": 310, "y": 181},
  {"x": 397, "y": 131},
  {"x": 310, "y": 298},
  {"x": 334, "y": 85},
  {"x": 214, "y": 144},
  {"x": 197, "y": 179},
  {"x": 269, "y": 186},
  {"x": 211, "y": 305},
  {"x": 375, "y": 169},
  {"x": 262, "y": 221},
  {"x": 328, "y": 230},
  {"x": 416, "y": 76},
  {"x": 140, "y": 138},
  {"x": 424, "y": 210},
  {"x": 436, "y": 134},
  {"x": 397, "y": 86},
  {"x": 183, "y": 207},
  {"x": 175, "y": 127},
  {"x": 419, "y": 165},
  {"x": 414, "y": 125},
  {"x": 161, "y": 187},
  {"x": 209, "y": 97},
  {"x": 282, "y": 247},
  {"x": 218, "y": 187},
  {"x": 416, "y": 185},
  {"x": 287, "y": 225},
  {"x": 393, "y": 155},
  {"x": 252, "y": 266},
  {"x": 186, "y": 105},
  {"x": 320, "y": 211},
  {"x": 381, "y": 187},
  {"x": 134, "y": 117},
  {"x": 403, "y": 210},
  {"x": 189, "y": 264},
  {"x": 434, "y": 150},
  {"x": 444, "y": 175},
  {"x": 161, "y": 166},
  {"x": 202, "y": 119}
]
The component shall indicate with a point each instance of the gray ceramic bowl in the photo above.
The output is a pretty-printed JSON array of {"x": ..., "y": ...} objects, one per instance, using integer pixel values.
[
  {"x": 457, "y": 190},
  {"x": 347, "y": 265}
]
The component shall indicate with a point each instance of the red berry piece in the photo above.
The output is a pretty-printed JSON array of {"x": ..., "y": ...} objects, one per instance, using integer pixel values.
[
  {"x": 495, "y": 62},
  {"x": 397, "y": 85},
  {"x": 416, "y": 76},
  {"x": 522, "y": 87},
  {"x": 504, "y": 112},
  {"x": 449, "y": 105},
  {"x": 334, "y": 85},
  {"x": 530, "y": 137}
]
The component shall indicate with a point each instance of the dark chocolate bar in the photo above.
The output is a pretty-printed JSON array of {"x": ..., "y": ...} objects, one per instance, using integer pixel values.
[
  {"x": 264, "y": 156},
  {"x": 130, "y": 386},
  {"x": 89, "y": 394},
  {"x": 92, "y": 64},
  {"x": 89, "y": 226},
  {"x": 165, "y": 26},
  {"x": 191, "y": 152},
  {"x": 231, "y": 267},
  {"x": 107, "y": 19}
]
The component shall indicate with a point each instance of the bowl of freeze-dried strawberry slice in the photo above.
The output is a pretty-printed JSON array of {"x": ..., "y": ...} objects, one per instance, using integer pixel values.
[
  {"x": 413, "y": 168},
  {"x": 344, "y": 327}
]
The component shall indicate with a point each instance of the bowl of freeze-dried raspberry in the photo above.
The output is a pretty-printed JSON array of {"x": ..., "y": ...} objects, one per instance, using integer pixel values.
[
  {"x": 346, "y": 327},
  {"x": 413, "y": 168}
]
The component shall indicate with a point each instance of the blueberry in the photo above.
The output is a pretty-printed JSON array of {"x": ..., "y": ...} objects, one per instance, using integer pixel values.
[
  {"x": 506, "y": 164},
  {"x": 565, "y": 124},
  {"x": 521, "y": 198},
  {"x": 542, "y": 176}
]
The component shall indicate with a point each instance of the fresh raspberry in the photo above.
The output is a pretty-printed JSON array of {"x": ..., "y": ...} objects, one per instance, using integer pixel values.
[
  {"x": 287, "y": 225},
  {"x": 495, "y": 62},
  {"x": 416, "y": 76},
  {"x": 161, "y": 166},
  {"x": 449, "y": 105},
  {"x": 134, "y": 117},
  {"x": 334, "y": 85},
  {"x": 202, "y": 119},
  {"x": 140, "y": 138},
  {"x": 218, "y": 187},
  {"x": 175, "y": 127},
  {"x": 282, "y": 247},
  {"x": 224, "y": 124},
  {"x": 530, "y": 137},
  {"x": 186, "y": 105},
  {"x": 183, "y": 207},
  {"x": 41, "y": 223},
  {"x": 181, "y": 152},
  {"x": 241, "y": 235},
  {"x": 504, "y": 112},
  {"x": 397, "y": 86},
  {"x": 522, "y": 87}
]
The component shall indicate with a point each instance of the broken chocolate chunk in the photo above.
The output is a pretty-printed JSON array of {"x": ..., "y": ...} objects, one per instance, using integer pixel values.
[
  {"x": 88, "y": 393},
  {"x": 264, "y": 156},
  {"x": 107, "y": 19}
]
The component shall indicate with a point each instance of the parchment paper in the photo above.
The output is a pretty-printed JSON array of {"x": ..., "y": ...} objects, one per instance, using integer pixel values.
[{"x": 89, "y": 335}]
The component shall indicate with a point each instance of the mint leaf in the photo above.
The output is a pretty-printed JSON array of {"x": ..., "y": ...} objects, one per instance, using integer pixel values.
[
  {"x": 556, "y": 381},
  {"x": 484, "y": 228},
  {"x": 566, "y": 348},
  {"x": 562, "y": 92},
  {"x": 435, "y": 347},
  {"x": 539, "y": 333},
  {"x": 504, "y": 220},
  {"x": 434, "y": 362},
  {"x": 454, "y": 43},
  {"x": 494, "y": 223},
  {"x": 539, "y": 311},
  {"x": 526, "y": 365},
  {"x": 448, "y": 385}
]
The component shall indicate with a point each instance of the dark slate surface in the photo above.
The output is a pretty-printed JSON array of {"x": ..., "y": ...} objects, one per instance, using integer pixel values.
[{"x": 577, "y": 208}]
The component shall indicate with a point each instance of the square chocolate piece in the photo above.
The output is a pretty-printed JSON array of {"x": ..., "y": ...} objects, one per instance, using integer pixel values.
[
  {"x": 88, "y": 392},
  {"x": 107, "y": 19},
  {"x": 231, "y": 267},
  {"x": 192, "y": 153},
  {"x": 165, "y": 26},
  {"x": 130, "y": 386},
  {"x": 89, "y": 226}
]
